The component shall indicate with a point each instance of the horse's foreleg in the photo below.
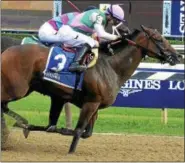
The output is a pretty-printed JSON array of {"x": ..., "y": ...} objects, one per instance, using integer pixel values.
[
  {"x": 89, "y": 129},
  {"x": 55, "y": 110},
  {"x": 88, "y": 110}
]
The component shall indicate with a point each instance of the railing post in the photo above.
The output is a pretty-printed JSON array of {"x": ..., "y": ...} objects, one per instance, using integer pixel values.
[
  {"x": 68, "y": 115},
  {"x": 164, "y": 115},
  {"x": 57, "y": 8}
]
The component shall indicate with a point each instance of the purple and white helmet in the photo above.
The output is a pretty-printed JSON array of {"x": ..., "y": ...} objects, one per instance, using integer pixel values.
[{"x": 116, "y": 11}]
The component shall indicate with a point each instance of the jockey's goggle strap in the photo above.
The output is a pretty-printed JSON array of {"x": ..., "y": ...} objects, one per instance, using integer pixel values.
[
  {"x": 109, "y": 11},
  {"x": 114, "y": 29}
]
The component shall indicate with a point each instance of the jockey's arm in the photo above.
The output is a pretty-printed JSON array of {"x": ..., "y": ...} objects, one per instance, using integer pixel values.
[
  {"x": 103, "y": 34},
  {"x": 99, "y": 28}
]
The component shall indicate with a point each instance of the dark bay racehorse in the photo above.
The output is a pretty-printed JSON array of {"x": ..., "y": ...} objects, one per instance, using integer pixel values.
[{"x": 22, "y": 70}]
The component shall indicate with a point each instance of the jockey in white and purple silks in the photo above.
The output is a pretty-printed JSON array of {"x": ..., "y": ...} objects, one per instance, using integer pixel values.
[
  {"x": 76, "y": 29},
  {"x": 48, "y": 32}
]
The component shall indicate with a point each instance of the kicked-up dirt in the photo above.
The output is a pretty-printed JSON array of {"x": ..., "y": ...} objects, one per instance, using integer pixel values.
[{"x": 54, "y": 147}]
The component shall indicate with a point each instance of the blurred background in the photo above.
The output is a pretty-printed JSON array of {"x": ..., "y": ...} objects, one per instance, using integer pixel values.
[{"x": 31, "y": 14}]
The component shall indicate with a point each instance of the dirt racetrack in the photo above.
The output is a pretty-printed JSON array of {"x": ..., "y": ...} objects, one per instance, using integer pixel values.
[{"x": 54, "y": 147}]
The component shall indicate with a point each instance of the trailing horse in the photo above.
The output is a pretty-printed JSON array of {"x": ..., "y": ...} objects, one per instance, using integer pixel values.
[
  {"x": 7, "y": 42},
  {"x": 101, "y": 83}
]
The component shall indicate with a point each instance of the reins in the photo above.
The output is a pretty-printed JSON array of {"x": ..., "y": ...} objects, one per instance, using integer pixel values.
[{"x": 133, "y": 43}]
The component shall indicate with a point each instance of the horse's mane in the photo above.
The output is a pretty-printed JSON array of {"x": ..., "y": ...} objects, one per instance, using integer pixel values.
[
  {"x": 122, "y": 44},
  {"x": 134, "y": 34}
]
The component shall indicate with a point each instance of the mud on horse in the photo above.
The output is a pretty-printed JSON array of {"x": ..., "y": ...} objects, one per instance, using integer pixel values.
[{"x": 101, "y": 83}]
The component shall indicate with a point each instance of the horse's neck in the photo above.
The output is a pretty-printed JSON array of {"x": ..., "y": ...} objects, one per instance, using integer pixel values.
[{"x": 126, "y": 62}]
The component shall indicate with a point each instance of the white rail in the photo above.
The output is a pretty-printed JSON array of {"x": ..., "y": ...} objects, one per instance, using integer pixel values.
[{"x": 178, "y": 47}]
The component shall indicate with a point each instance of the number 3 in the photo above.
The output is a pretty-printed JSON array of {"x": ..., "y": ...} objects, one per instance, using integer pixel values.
[{"x": 61, "y": 64}]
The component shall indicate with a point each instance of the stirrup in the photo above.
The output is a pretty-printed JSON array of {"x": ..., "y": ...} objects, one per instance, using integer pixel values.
[{"x": 77, "y": 67}]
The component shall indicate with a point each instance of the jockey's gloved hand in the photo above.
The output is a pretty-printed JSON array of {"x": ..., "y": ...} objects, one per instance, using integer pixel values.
[
  {"x": 96, "y": 44},
  {"x": 116, "y": 37},
  {"x": 125, "y": 36},
  {"x": 111, "y": 51}
]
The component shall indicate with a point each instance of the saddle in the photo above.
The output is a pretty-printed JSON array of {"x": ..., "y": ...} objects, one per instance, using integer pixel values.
[{"x": 90, "y": 59}]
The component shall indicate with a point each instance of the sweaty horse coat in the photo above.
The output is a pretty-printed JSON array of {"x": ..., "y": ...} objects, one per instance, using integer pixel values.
[{"x": 101, "y": 83}]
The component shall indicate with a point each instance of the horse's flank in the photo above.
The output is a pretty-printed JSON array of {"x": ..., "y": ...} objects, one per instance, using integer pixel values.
[{"x": 20, "y": 65}]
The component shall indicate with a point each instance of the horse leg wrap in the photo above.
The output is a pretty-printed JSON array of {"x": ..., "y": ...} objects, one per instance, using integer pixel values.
[
  {"x": 86, "y": 134},
  {"x": 17, "y": 117}
]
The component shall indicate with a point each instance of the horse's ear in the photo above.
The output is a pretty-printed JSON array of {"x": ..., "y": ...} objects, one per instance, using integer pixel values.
[{"x": 143, "y": 27}]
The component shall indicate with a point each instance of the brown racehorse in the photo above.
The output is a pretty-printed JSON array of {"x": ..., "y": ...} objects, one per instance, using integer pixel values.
[
  {"x": 23, "y": 66},
  {"x": 7, "y": 42}
]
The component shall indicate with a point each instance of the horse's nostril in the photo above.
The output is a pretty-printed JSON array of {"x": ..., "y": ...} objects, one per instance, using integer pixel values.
[{"x": 180, "y": 56}]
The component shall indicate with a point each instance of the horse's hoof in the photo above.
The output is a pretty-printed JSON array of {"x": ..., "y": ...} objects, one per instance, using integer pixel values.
[
  {"x": 86, "y": 135},
  {"x": 26, "y": 132},
  {"x": 71, "y": 152},
  {"x": 66, "y": 131},
  {"x": 21, "y": 125},
  {"x": 51, "y": 129}
]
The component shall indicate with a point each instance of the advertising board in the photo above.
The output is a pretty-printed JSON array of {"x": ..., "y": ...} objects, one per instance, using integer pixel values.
[{"x": 156, "y": 87}]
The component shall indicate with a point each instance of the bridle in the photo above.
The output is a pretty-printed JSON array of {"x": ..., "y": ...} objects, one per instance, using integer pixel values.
[
  {"x": 156, "y": 42},
  {"x": 145, "y": 50}
]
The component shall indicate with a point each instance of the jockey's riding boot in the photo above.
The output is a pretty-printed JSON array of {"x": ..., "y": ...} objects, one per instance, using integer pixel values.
[{"x": 76, "y": 66}]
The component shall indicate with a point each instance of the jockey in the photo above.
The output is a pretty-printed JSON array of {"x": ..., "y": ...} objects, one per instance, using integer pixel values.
[
  {"x": 48, "y": 32},
  {"x": 77, "y": 30}
]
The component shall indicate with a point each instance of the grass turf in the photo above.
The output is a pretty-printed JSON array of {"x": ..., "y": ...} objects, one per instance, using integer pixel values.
[{"x": 35, "y": 108}]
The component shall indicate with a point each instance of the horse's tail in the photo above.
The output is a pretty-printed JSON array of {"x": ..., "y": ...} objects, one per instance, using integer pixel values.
[{"x": 7, "y": 42}]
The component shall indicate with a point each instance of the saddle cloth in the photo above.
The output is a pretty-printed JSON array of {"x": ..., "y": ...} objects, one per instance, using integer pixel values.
[{"x": 56, "y": 69}]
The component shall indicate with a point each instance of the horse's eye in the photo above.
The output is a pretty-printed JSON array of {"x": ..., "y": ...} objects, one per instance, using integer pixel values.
[{"x": 160, "y": 41}]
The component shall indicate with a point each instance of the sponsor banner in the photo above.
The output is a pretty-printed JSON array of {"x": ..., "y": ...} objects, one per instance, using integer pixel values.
[
  {"x": 173, "y": 18},
  {"x": 154, "y": 85},
  {"x": 151, "y": 94}
]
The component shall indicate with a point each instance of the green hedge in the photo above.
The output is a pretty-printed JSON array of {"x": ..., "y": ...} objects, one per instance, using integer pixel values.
[{"x": 19, "y": 36}]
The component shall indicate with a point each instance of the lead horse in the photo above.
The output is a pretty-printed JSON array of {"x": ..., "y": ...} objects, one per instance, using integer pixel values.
[{"x": 101, "y": 83}]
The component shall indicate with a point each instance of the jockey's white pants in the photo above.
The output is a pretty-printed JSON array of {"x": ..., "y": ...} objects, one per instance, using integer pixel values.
[{"x": 65, "y": 35}]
